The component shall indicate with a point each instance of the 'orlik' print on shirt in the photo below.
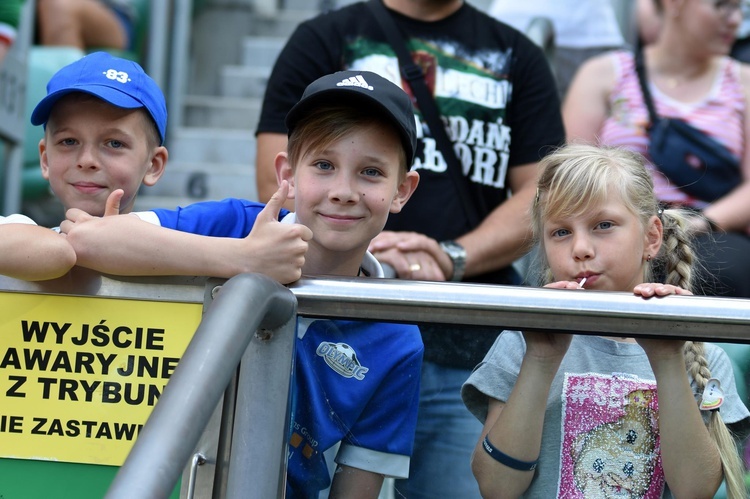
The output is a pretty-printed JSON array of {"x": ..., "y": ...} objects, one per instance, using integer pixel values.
[
  {"x": 610, "y": 438},
  {"x": 475, "y": 81}
]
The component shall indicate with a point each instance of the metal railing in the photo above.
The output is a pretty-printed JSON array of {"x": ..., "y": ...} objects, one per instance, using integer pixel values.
[
  {"x": 507, "y": 307},
  {"x": 255, "y": 315},
  {"x": 171, "y": 433},
  {"x": 514, "y": 307}
]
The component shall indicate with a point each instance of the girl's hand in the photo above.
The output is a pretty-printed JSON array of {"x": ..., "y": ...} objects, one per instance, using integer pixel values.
[
  {"x": 546, "y": 346},
  {"x": 549, "y": 346},
  {"x": 649, "y": 289},
  {"x": 656, "y": 348}
]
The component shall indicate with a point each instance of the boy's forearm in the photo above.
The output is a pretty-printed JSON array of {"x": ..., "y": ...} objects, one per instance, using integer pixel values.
[
  {"x": 34, "y": 253},
  {"x": 126, "y": 245}
]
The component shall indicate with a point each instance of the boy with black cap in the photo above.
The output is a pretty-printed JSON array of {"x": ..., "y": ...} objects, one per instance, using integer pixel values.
[
  {"x": 104, "y": 124},
  {"x": 352, "y": 139}
]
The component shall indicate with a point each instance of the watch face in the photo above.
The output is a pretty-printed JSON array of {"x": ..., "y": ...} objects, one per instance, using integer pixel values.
[{"x": 453, "y": 249}]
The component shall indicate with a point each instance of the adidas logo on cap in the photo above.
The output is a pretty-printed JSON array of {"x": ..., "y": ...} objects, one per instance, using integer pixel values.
[
  {"x": 355, "y": 81},
  {"x": 353, "y": 88}
]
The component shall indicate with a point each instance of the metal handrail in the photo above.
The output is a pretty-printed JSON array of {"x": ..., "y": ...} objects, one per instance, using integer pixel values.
[
  {"x": 256, "y": 467},
  {"x": 169, "y": 437},
  {"x": 157, "y": 43},
  {"x": 514, "y": 307}
]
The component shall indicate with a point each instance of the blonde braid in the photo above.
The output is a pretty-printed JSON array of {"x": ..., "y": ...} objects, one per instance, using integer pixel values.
[
  {"x": 696, "y": 363},
  {"x": 697, "y": 366},
  {"x": 678, "y": 260},
  {"x": 677, "y": 256}
]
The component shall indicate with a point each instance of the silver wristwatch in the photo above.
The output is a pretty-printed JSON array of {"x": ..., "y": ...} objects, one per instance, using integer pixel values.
[{"x": 457, "y": 254}]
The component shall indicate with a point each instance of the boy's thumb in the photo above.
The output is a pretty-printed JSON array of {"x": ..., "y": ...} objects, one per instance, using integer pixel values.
[
  {"x": 112, "y": 206},
  {"x": 274, "y": 205}
]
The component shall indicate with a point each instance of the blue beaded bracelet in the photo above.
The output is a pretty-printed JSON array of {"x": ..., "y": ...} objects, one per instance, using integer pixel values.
[{"x": 505, "y": 459}]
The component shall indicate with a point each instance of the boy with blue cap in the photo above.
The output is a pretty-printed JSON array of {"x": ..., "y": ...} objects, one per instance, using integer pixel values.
[
  {"x": 105, "y": 120},
  {"x": 104, "y": 124},
  {"x": 352, "y": 138}
]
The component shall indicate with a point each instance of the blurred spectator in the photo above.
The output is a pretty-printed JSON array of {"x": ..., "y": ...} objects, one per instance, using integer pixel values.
[
  {"x": 86, "y": 24},
  {"x": 583, "y": 28},
  {"x": 690, "y": 77},
  {"x": 648, "y": 19}
]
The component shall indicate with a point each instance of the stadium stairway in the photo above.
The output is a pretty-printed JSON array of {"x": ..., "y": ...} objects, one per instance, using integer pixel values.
[{"x": 212, "y": 152}]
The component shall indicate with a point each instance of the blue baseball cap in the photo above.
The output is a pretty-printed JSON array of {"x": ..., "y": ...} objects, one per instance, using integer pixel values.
[{"x": 120, "y": 82}]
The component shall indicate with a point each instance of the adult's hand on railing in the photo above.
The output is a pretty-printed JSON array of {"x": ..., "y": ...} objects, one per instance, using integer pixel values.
[{"x": 411, "y": 255}]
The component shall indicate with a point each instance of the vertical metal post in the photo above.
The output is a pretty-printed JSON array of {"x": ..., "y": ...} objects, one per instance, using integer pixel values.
[
  {"x": 257, "y": 466},
  {"x": 178, "y": 64},
  {"x": 158, "y": 41},
  {"x": 244, "y": 304}
]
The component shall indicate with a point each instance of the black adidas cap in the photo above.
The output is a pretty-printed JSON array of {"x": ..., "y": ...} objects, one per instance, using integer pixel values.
[{"x": 369, "y": 89}]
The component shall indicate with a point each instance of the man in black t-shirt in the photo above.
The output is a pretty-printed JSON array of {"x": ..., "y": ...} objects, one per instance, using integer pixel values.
[{"x": 499, "y": 102}]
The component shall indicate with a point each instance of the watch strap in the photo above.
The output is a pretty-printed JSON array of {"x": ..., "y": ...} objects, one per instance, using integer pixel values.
[{"x": 457, "y": 254}]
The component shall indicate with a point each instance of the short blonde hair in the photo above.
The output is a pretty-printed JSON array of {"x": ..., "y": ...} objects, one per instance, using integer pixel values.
[{"x": 327, "y": 124}]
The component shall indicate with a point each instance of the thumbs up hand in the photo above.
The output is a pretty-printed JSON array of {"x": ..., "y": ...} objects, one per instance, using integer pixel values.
[{"x": 277, "y": 249}]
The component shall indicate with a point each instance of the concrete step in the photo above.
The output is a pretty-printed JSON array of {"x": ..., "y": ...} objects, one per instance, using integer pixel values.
[
  {"x": 221, "y": 112},
  {"x": 282, "y": 23},
  {"x": 212, "y": 156},
  {"x": 243, "y": 81},
  {"x": 212, "y": 145},
  {"x": 262, "y": 51},
  {"x": 202, "y": 181}
]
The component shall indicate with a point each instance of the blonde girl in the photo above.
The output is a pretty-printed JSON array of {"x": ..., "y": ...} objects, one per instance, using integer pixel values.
[{"x": 591, "y": 416}]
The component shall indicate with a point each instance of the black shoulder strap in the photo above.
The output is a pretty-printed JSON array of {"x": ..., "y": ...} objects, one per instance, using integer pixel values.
[
  {"x": 640, "y": 69},
  {"x": 412, "y": 73}
]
